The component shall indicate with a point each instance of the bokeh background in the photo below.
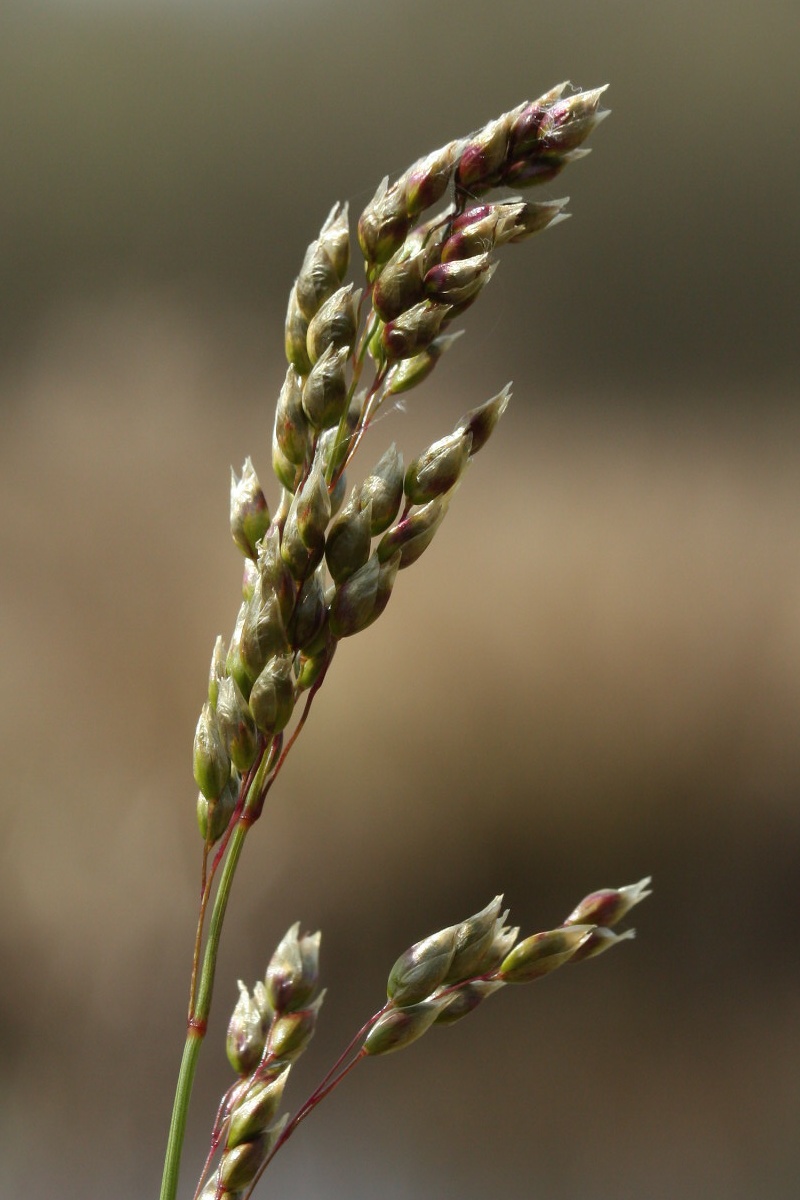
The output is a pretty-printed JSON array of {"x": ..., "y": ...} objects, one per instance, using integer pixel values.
[{"x": 594, "y": 674}]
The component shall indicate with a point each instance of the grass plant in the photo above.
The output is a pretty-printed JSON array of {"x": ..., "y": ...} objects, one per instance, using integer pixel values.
[{"x": 321, "y": 567}]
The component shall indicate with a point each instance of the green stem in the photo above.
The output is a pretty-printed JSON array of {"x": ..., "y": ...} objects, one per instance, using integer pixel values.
[{"x": 199, "y": 1018}]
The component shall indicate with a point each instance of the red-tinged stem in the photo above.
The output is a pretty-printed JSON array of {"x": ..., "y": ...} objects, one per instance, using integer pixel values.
[
  {"x": 310, "y": 1104},
  {"x": 207, "y": 877},
  {"x": 371, "y": 406},
  {"x": 253, "y": 808},
  {"x": 199, "y": 1018},
  {"x": 223, "y": 1113},
  {"x": 253, "y": 793},
  {"x": 315, "y": 1096},
  {"x": 318, "y": 1096}
]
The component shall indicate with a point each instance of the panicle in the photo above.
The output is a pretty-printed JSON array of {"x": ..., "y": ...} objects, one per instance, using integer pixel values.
[{"x": 420, "y": 276}]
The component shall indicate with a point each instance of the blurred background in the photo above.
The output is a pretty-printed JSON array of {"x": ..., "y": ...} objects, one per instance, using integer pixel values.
[{"x": 594, "y": 674}]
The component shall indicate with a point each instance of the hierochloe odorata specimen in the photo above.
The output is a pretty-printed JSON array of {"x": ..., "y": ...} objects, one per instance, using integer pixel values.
[{"x": 321, "y": 567}]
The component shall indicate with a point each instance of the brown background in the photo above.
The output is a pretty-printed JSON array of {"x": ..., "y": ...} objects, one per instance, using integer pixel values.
[{"x": 593, "y": 675}]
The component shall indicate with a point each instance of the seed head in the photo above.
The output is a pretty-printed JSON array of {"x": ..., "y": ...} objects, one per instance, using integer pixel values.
[
  {"x": 383, "y": 225},
  {"x": 212, "y": 766},
  {"x": 609, "y": 905},
  {"x": 292, "y": 431},
  {"x": 272, "y": 695},
  {"x": 296, "y": 334},
  {"x": 292, "y": 1031},
  {"x": 383, "y": 489},
  {"x": 293, "y": 970},
  {"x": 409, "y": 372},
  {"x": 481, "y": 421},
  {"x": 335, "y": 237},
  {"x": 239, "y": 1166},
  {"x": 461, "y": 280},
  {"x": 246, "y": 1034},
  {"x": 439, "y": 468},
  {"x": 413, "y": 330},
  {"x": 399, "y": 1027},
  {"x": 213, "y": 816},
  {"x": 252, "y": 1116},
  {"x": 475, "y": 952},
  {"x": 354, "y": 600},
  {"x": 420, "y": 970},
  {"x": 236, "y": 725},
  {"x": 335, "y": 324},
  {"x": 542, "y": 953},
  {"x": 325, "y": 390},
  {"x": 249, "y": 512},
  {"x": 263, "y": 633},
  {"x": 310, "y": 611},
  {"x": 466, "y": 999},
  {"x": 412, "y": 536},
  {"x": 216, "y": 672},
  {"x": 325, "y": 263},
  {"x": 347, "y": 546}
]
